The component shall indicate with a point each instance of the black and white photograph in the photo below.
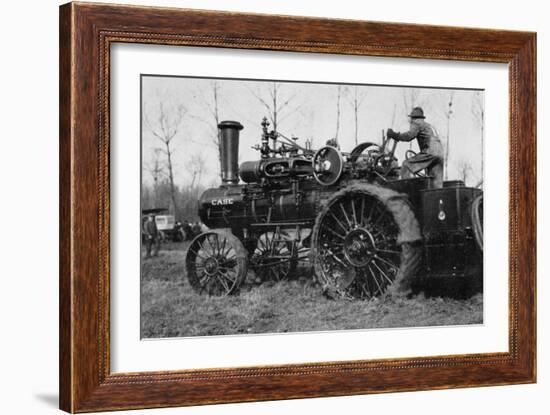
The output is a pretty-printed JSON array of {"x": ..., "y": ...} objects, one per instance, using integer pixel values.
[
  {"x": 272, "y": 206},
  {"x": 275, "y": 207}
]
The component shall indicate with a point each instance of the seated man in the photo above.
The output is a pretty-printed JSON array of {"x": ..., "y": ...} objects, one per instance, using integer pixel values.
[{"x": 431, "y": 150}]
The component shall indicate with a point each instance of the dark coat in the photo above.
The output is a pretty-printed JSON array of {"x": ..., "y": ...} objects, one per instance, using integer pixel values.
[
  {"x": 150, "y": 228},
  {"x": 427, "y": 137}
]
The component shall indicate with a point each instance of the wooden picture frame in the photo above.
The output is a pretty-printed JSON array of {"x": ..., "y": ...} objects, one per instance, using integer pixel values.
[{"x": 86, "y": 33}]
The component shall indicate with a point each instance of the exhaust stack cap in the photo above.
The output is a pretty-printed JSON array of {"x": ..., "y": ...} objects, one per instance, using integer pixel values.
[
  {"x": 229, "y": 150},
  {"x": 230, "y": 124}
]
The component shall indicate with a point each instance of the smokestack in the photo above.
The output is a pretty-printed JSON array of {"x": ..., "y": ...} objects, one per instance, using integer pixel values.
[{"x": 229, "y": 150}]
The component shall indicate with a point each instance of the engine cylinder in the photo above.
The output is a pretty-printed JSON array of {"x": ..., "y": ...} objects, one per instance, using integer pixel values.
[
  {"x": 250, "y": 171},
  {"x": 229, "y": 150}
]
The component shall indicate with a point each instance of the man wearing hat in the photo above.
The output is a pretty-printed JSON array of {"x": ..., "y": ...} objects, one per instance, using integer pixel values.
[
  {"x": 431, "y": 150},
  {"x": 152, "y": 237},
  {"x": 333, "y": 142}
]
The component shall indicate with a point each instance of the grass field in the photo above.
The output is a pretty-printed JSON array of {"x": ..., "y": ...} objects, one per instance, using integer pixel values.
[{"x": 170, "y": 308}]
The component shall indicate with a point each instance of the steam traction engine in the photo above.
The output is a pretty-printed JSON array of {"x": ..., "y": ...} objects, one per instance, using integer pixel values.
[{"x": 362, "y": 228}]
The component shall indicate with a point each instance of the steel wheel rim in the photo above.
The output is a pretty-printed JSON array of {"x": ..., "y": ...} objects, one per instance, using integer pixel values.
[
  {"x": 273, "y": 256},
  {"x": 353, "y": 275},
  {"x": 213, "y": 264}
]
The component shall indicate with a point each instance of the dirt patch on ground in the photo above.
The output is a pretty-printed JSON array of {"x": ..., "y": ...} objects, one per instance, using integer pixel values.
[{"x": 170, "y": 308}]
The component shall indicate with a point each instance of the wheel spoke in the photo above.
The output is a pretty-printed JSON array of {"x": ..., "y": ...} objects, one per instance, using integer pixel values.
[
  {"x": 362, "y": 283},
  {"x": 339, "y": 260},
  {"x": 350, "y": 226},
  {"x": 261, "y": 241},
  {"x": 277, "y": 236},
  {"x": 230, "y": 254},
  {"x": 371, "y": 211},
  {"x": 218, "y": 247},
  {"x": 367, "y": 283},
  {"x": 229, "y": 262},
  {"x": 380, "y": 217},
  {"x": 384, "y": 235},
  {"x": 211, "y": 245},
  {"x": 209, "y": 239},
  {"x": 270, "y": 241},
  {"x": 335, "y": 233},
  {"x": 388, "y": 251},
  {"x": 266, "y": 242},
  {"x": 222, "y": 250},
  {"x": 375, "y": 279},
  {"x": 222, "y": 281},
  {"x": 197, "y": 254},
  {"x": 366, "y": 291},
  {"x": 392, "y": 271},
  {"x": 273, "y": 242},
  {"x": 362, "y": 216},
  {"x": 227, "y": 276},
  {"x": 204, "y": 279},
  {"x": 354, "y": 216},
  {"x": 202, "y": 248},
  {"x": 390, "y": 264},
  {"x": 382, "y": 272},
  {"x": 338, "y": 221}
]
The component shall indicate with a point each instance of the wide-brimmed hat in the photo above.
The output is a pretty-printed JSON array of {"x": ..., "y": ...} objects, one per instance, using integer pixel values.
[{"x": 417, "y": 112}]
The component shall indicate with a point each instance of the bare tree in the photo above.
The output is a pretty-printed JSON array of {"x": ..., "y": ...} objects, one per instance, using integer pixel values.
[
  {"x": 165, "y": 127},
  {"x": 196, "y": 167},
  {"x": 210, "y": 100},
  {"x": 478, "y": 113},
  {"x": 465, "y": 170},
  {"x": 411, "y": 98},
  {"x": 338, "y": 98},
  {"x": 394, "y": 113},
  {"x": 355, "y": 98},
  {"x": 308, "y": 119},
  {"x": 448, "y": 114},
  {"x": 156, "y": 170},
  {"x": 275, "y": 102}
]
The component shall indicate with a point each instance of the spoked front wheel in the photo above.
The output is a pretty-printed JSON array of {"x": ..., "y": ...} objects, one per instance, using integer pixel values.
[{"x": 216, "y": 263}]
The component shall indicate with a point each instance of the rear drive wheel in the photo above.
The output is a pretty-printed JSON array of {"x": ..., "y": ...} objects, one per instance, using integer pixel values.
[{"x": 364, "y": 242}]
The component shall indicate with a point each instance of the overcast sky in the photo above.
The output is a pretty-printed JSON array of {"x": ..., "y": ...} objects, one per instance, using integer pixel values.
[{"x": 311, "y": 114}]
